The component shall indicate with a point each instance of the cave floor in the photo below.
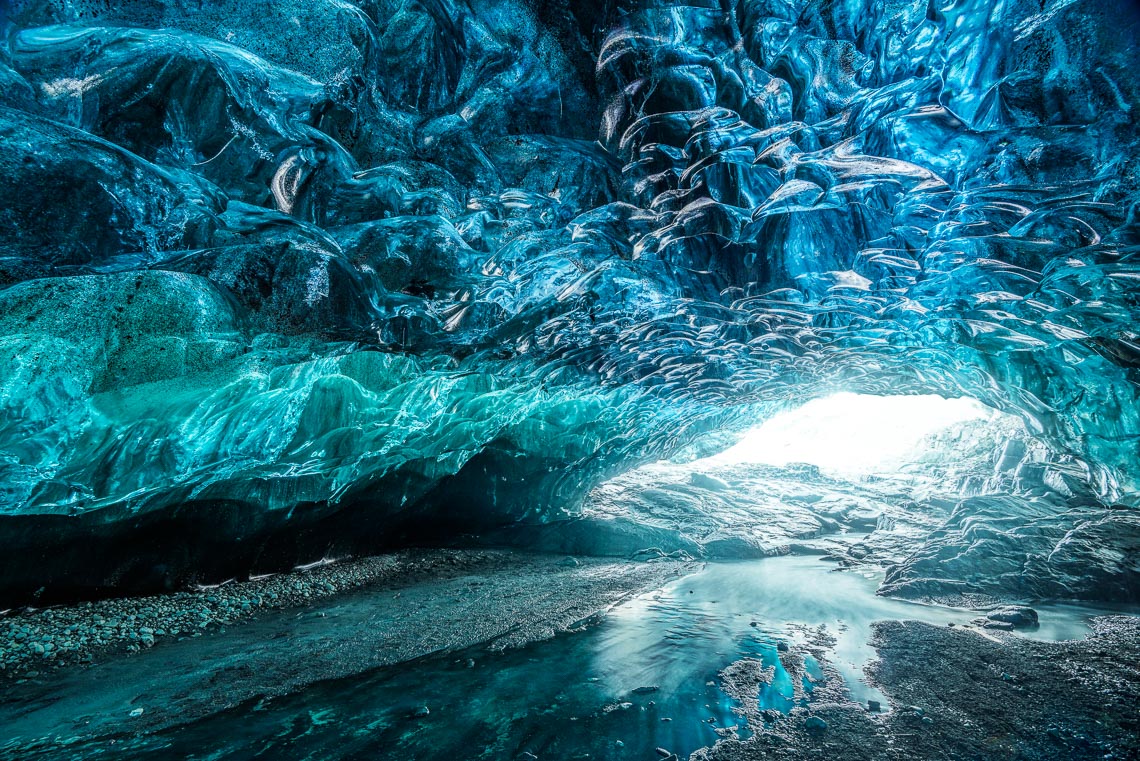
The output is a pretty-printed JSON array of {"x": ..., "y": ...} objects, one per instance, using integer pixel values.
[{"x": 490, "y": 654}]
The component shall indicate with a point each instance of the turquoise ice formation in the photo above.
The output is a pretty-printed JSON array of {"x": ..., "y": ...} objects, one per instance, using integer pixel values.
[{"x": 293, "y": 277}]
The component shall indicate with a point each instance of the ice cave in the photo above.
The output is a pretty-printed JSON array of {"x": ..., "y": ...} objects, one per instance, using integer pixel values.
[{"x": 569, "y": 379}]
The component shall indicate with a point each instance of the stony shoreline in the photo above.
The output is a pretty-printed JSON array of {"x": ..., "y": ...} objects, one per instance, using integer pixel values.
[
  {"x": 960, "y": 693},
  {"x": 404, "y": 607},
  {"x": 951, "y": 691},
  {"x": 34, "y": 640}
]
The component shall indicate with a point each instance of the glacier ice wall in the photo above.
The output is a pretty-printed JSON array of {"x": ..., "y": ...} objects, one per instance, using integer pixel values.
[{"x": 284, "y": 277}]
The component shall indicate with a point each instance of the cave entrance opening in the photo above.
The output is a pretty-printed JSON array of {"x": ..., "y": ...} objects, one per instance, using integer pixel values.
[
  {"x": 849, "y": 434},
  {"x": 819, "y": 478}
]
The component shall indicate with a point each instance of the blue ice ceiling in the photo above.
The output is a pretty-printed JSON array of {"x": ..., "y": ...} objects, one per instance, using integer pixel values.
[{"x": 278, "y": 277}]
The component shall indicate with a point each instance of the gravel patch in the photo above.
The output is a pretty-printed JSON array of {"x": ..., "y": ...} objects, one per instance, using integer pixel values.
[
  {"x": 958, "y": 693},
  {"x": 34, "y": 640}
]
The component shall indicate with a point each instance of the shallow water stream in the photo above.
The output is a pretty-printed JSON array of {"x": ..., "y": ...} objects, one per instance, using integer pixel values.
[{"x": 643, "y": 677}]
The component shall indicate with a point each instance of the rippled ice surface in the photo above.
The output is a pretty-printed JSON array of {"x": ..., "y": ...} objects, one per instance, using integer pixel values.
[
  {"x": 583, "y": 693},
  {"x": 285, "y": 274}
]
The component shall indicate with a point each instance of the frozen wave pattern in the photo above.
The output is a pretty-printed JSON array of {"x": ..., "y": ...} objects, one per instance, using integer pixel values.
[{"x": 292, "y": 277}]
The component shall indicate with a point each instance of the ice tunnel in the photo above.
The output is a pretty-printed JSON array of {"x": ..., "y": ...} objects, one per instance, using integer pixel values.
[{"x": 583, "y": 300}]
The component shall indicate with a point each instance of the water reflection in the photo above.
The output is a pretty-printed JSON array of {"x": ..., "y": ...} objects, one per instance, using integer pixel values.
[{"x": 643, "y": 678}]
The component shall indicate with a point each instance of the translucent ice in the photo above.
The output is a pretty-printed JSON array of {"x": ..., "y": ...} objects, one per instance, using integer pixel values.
[{"x": 283, "y": 278}]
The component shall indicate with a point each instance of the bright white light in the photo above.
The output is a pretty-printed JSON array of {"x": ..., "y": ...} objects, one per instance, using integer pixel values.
[{"x": 852, "y": 433}]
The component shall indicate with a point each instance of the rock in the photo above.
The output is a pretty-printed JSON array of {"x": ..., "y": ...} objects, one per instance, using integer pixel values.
[
  {"x": 782, "y": 647},
  {"x": 1004, "y": 626},
  {"x": 874, "y": 706},
  {"x": 1018, "y": 617},
  {"x": 645, "y": 690},
  {"x": 815, "y": 724}
]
